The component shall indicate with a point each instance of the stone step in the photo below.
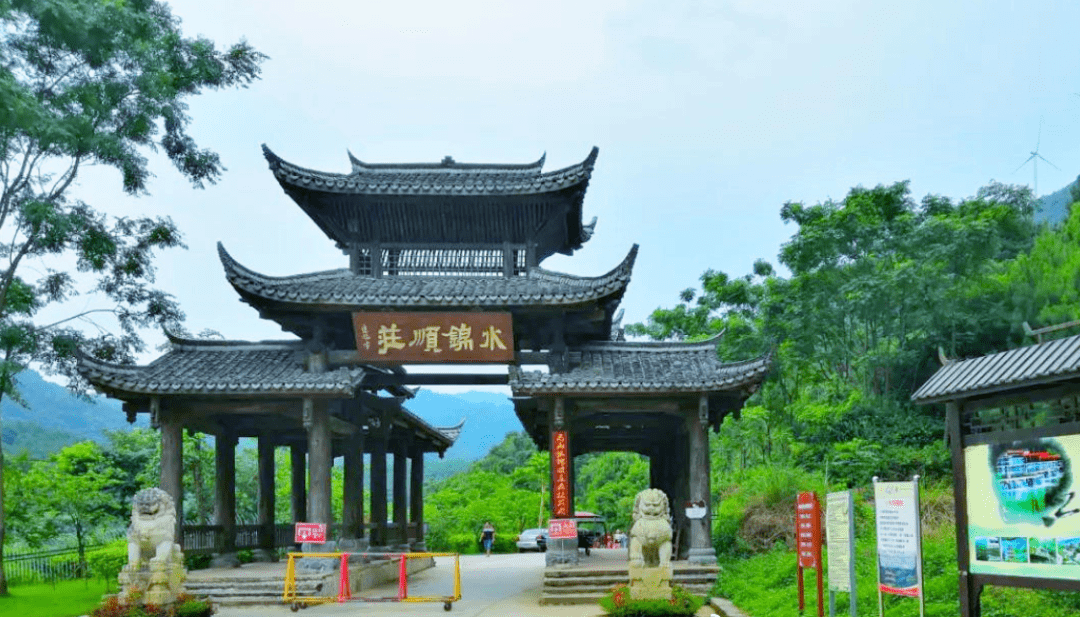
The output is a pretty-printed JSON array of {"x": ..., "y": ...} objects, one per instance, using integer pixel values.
[
  {"x": 578, "y": 598},
  {"x": 570, "y": 581},
  {"x": 565, "y": 572}
]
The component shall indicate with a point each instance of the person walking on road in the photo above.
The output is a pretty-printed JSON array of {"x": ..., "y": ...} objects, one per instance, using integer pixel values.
[{"x": 487, "y": 537}]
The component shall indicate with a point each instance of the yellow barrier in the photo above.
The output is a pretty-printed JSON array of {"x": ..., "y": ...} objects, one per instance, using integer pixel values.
[
  {"x": 289, "y": 595},
  {"x": 297, "y": 602}
]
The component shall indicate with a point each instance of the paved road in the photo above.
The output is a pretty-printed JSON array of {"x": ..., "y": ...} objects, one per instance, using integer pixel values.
[{"x": 496, "y": 586}]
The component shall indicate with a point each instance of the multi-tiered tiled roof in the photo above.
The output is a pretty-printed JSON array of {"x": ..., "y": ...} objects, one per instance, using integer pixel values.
[{"x": 443, "y": 204}]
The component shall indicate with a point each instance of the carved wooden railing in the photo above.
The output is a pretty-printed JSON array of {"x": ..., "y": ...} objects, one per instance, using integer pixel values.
[{"x": 206, "y": 539}]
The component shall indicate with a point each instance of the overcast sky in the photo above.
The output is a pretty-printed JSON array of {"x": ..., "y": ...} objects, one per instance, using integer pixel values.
[{"x": 708, "y": 115}]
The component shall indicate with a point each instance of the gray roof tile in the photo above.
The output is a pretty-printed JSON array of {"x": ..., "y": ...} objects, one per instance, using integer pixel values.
[
  {"x": 1038, "y": 364},
  {"x": 446, "y": 178},
  {"x": 195, "y": 367},
  {"x": 644, "y": 367},
  {"x": 343, "y": 288}
]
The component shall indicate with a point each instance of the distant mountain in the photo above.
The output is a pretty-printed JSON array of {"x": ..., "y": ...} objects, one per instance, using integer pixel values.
[
  {"x": 54, "y": 408},
  {"x": 54, "y": 418},
  {"x": 488, "y": 418},
  {"x": 1054, "y": 208}
]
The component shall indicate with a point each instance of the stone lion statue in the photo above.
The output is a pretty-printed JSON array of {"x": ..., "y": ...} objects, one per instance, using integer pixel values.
[
  {"x": 650, "y": 536},
  {"x": 153, "y": 529},
  {"x": 155, "y": 571}
]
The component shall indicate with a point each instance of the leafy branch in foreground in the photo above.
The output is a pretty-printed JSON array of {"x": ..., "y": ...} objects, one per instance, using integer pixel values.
[{"x": 92, "y": 82}]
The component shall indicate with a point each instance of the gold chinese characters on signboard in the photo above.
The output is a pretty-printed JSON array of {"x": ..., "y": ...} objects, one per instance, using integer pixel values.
[
  {"x": 432, "y": 338},
  {"x": 560, "y": 473}
]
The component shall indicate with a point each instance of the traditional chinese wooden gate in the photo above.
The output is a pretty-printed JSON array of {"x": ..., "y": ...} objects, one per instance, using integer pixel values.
[{"x": 443, "y": 267}]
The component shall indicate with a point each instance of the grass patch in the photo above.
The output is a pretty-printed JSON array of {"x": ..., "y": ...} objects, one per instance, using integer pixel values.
[
  {"x": 764, "y": 585},
  {"x": 66, "y": 599}
]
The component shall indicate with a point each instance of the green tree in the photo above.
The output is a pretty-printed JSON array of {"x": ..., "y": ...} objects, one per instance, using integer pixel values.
[
  {"x": 74, "y": 491},
  {"x": 92, "y": 82},
  {"x": 878, "y": 282}
]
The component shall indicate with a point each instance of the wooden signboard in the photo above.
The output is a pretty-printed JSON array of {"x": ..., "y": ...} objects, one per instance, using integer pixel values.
[
  {"x": 434, "y": 338},
  {"x": 808, "y": 544},
  {"x": 560, "y": 474}
]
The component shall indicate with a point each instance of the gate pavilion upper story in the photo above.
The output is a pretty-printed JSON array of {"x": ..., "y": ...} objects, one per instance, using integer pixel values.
[{"x": 425, "y": 241}]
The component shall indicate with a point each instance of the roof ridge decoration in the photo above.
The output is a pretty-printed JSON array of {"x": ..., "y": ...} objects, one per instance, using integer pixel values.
[
  {"x": 344, "y": 288},
  {"x": 623, "y": 270},
  {"x": 711, "y": 343},
  {"x": 228, "y": 344},
  {"x": 447, "y": 178},
  {"x": 447, "y": 164}
]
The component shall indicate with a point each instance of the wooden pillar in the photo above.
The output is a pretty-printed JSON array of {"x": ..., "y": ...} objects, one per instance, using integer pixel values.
[
  {"x": 172, "y": 459},
  {"x": 416, "y": 496},
  {"x": 320, "y": 461},
  {"x": 225, "y": 499},
  {"x": 701, "y": 547},
  {"x": 267, "y": 532},
  {"x": 970, "y": 591},
  {"x": 561, "y": 551},
  {"x": 298, "y": 464},
  {"x": 401, "y": 495},
  {"x": 352, "y": 509},
  {"x": 378, "y": 482}
]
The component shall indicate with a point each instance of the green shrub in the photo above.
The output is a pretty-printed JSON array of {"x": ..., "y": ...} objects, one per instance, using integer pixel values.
[
  {"x": 107, "y": 561},
  {"x": 185, "y": 606},
  {"x": 245, "y": 556},
  {"x": 197, "y": 562},
  {"x": 682, "y": 604}
]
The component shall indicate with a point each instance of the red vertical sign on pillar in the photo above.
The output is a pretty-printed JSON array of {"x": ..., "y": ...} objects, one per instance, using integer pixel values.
[
  {"x": 560, "y": 475},
  {"x": 808, "y": 544}
]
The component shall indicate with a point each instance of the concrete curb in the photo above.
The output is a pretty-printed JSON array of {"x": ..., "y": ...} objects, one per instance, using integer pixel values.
[{"x": 725, "y": 608}]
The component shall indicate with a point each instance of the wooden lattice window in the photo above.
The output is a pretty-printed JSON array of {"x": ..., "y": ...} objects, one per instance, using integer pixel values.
[
  {"x": 412, "y": 261},
  {"x": 1021, "y": 416}
]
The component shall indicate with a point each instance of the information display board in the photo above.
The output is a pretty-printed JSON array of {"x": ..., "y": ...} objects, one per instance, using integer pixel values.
[
  {"x": 839, "y": 524},
  {"x": 899, "y": 542},
  {"x": 1023, "y": 513}
]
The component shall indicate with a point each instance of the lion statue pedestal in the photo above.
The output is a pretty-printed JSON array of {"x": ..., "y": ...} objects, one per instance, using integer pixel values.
[
  {"x": 650, "y": 546},
  {"x": 155, "y": 571}
]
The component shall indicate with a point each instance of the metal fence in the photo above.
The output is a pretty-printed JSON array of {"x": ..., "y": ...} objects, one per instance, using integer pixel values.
[{"x": 45, "y": 566}]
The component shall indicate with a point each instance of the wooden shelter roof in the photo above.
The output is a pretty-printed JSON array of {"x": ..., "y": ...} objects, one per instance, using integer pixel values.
[
  {"x": 1039, "y": 365},
  {"x": 442, "y": 204},
  {"x": 345, "y": 290},
  {"x": 621, "y": 367}
]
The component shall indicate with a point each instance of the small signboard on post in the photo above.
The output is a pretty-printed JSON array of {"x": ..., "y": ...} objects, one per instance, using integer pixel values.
[
  {"x": 840, "y": 538},
  {"x": 899, "y": 541},
  {"x": 311, "y": 533},
  {"x": 562, "y": 528},
  {"x": 808, "y": 544}
]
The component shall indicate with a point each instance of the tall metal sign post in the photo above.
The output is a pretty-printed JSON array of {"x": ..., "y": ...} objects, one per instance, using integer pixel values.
[
  {"x": 899, "y": 541},
  {"x": 808, "y": 541},
  {"x": 840, "y": 538}
]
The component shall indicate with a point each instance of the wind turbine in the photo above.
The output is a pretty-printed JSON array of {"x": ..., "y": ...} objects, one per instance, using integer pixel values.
[{"x": 1034, "y": 160}]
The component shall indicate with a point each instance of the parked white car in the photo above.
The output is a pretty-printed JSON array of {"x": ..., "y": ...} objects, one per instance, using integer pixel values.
[{"x": 527, "y": 540}]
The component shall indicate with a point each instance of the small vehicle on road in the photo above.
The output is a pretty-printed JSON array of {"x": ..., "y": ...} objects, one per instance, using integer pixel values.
[{"x": 530, "y": 540}]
